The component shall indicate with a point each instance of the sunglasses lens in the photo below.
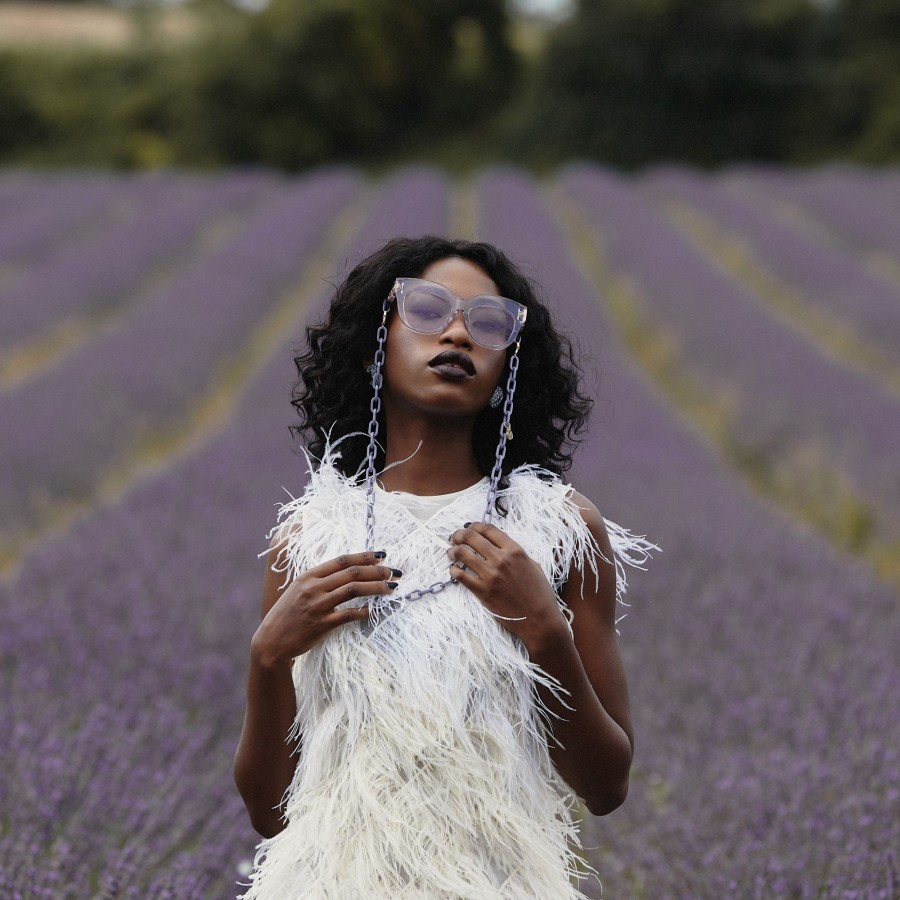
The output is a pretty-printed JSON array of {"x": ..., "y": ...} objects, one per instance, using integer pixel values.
[
  {"x": 429, "y": 308},
  {"x": 425, "y": 311},
  {"x": 492, "y": 326}
]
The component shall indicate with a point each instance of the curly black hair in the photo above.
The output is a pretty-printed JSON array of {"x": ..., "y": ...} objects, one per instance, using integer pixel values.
[{"x": 333, "y": 391}]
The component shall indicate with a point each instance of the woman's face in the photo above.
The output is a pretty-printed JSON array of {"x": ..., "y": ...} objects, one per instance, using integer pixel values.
[{"x": 447, "y": 372}]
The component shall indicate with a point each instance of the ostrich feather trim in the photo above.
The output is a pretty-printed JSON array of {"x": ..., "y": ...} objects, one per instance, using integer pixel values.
[{"x": 425, "y": 770}]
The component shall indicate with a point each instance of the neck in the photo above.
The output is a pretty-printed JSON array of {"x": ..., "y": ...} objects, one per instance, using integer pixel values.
[{"x": 444, "y": 463}]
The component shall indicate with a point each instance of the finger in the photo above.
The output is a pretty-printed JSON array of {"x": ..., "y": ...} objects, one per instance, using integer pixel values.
[
  {"x": 346, "y": 615},
  {"x": 469, "y": 537},
  {"x": 347, "y": 560},
  {"x": 465, "y": 577},
  {"x": 359, "y": 573},
  {"x": 354, "y": 589},
  {"x": 463, "y": 554},
  {"x": 492, "y": 533}
]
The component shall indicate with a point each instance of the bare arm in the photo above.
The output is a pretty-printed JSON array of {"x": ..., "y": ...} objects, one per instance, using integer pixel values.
[
  {"x": 595, "y": 732},
  {"x": 264, "y": 761},
  {"x": 293, "y": 620}
]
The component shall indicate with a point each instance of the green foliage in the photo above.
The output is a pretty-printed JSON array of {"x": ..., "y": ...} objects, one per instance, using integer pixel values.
[
  {"x": 306, "y": 82},
  {"x": 352, "y": 80},
  {"x": 21, "y": 124},
  {"x": 630, "y": 81},
  {"x": 710, "y": 81},
  {"x": 298, "y": 84},
  {"x": 865, "y": 88},
  {"x": 74, "y": 107}
]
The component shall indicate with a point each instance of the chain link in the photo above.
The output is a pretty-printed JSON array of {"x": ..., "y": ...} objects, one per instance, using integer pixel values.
[
  {"x": 505, "y": 435},
  {"x": 371, "y": 451},
  {"x": 375, "y": 409}
]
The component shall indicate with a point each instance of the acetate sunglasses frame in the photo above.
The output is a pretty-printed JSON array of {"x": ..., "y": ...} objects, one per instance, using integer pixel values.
[{"x": 403, "y": 286}]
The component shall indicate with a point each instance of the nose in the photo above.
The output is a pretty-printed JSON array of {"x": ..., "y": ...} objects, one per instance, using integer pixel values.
[{"x": 455, "y": 332}]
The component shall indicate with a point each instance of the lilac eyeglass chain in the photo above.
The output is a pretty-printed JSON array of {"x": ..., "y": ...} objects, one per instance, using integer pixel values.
[{"x": 375, "y": 408}]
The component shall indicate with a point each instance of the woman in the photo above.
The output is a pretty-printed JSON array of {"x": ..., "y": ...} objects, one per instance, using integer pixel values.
[{"x": 436, "y": 671}]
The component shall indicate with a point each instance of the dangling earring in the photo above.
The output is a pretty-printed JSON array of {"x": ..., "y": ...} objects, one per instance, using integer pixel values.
[
  {"x": 496, "y": 397},
  {"x": 372, "y": 369}
]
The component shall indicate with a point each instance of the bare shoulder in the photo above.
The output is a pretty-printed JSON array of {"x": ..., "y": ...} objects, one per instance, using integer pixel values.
[
  {"x": 580, "y": 589},
  {"x": 594, "y": 607},
  {"x": 594, "y": 520}
]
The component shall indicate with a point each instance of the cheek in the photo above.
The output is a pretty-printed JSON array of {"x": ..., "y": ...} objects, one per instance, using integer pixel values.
[
  {"x": 393, "y": 343},
  {"x": 397, "y": 350},
  {"x": 499, "y": 368}
]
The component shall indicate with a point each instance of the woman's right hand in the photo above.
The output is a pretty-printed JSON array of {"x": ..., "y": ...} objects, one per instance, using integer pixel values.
[{"x": 306, "y": 610}]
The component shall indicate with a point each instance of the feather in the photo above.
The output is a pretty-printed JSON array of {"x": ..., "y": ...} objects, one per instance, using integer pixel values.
[{"x": 425, "y": 770}]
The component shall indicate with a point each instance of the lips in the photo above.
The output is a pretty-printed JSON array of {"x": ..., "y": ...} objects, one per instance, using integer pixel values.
[{"x": 453, "y": 362}]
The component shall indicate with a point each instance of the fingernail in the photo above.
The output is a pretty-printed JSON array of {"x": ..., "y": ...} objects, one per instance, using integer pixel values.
[
  {"x": 393, "y": 585},
  {"x": 396, "y": 573},
  {"x": 466, "y": 524},
  {"x": 380, "y": 554}
]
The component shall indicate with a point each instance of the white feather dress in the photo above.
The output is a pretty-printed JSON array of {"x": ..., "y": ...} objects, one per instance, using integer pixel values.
[{"x": 425, "y": 770}]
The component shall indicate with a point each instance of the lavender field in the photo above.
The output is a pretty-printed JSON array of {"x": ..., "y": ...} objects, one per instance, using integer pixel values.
[
  {"x": 788, "y": 401},
  {"x": 762, "y": 657}
]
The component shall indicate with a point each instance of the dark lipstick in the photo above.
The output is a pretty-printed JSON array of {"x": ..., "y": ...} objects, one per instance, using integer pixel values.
[{"x": 453, "y": 364}]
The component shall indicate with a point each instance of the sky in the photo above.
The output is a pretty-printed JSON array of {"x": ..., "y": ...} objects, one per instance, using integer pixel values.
[{"x": 552, "y": 8}]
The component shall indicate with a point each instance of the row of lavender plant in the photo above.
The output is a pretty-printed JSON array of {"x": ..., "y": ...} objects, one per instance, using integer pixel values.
[
  {"x": 123, "y": 648},
  {"x": 860, "y": 209},
  {"x": 763, "y": 665},
  {"x": 824, "y": 276},
  {"x": 16, "y": 184},
  {"x": 789, "y": 394},
  {"x": 35, "y": 219},
  {"x": 35, "y": 216},
  {"x": 104, "y": 268},
  {"x": 71, "y": 424}
]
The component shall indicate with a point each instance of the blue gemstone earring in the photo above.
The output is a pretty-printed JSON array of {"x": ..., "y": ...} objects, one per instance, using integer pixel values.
[{"x": 496, "y": 397}]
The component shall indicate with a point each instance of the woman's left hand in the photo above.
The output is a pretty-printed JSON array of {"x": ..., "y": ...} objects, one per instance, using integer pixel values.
[{"x": 507, "y": 581}]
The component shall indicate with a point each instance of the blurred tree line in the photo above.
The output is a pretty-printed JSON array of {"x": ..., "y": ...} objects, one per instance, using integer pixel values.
[
  {"x": 376, "y": 82},
  {"x": 707, "y": 81}
]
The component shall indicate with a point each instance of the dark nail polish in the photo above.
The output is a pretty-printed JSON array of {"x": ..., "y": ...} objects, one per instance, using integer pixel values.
[
  {"x": 396, "y": 573},
  {"x": 379, "y": 554},
  {"x": 393, "y": 585},
  {"x": 466, "y": 524}
]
